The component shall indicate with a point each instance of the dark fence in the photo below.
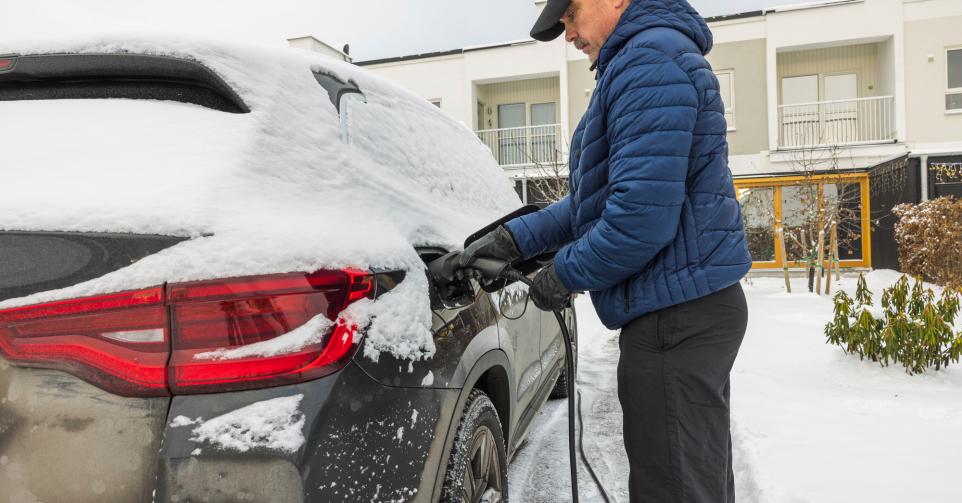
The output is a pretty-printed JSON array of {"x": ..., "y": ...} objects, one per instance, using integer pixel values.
[
  {"x": 890, "y": 184},
  {"x": 945, "y": 176}
]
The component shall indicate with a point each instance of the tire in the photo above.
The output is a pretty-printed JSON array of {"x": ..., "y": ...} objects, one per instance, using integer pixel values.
[
  {"x": 478, "y": 466},
  {"x": 560, "y": 386}
]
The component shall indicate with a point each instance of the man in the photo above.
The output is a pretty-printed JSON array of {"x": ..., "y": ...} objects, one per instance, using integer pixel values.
[{"x": 652, "y": 229}]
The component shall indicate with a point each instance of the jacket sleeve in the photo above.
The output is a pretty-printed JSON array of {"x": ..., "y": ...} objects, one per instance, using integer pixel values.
[
  {"x": 543, "y": 231},
  {"x": 651, "y": 107}
]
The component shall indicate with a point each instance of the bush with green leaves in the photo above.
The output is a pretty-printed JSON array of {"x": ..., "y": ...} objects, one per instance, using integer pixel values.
[{"x": 916, "y": 332}]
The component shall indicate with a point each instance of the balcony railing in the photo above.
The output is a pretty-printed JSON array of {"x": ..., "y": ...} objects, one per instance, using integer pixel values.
[
  {"x": 525, "y": 146},
  {"x": 837, "y": 123}
]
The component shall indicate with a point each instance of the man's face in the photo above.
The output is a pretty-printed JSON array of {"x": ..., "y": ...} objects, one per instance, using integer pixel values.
[{"x": 589, "y": 23}]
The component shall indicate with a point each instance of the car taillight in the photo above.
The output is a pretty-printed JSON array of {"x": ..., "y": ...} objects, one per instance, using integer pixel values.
[
  {"x": 6, "y": 63},
  {"x": 222, "y": 330},
  {"x": 117, "y": 342},
  {"x": 199, "y": 337}
]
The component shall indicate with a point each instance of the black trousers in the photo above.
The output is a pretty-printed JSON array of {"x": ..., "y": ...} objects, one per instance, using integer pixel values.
[{"x": 673, "y": 384}]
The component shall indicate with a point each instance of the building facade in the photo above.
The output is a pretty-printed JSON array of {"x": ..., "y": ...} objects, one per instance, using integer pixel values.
[{"x": 820, "y": 100}]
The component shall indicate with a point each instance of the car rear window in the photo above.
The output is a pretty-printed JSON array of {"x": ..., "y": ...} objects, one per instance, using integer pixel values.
[
  {"x": 111, "y": 76},
  {"x": 32, "y": 262}
]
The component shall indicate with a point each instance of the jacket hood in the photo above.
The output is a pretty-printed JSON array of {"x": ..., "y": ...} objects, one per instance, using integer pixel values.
[{"x": 644, "y": 14}]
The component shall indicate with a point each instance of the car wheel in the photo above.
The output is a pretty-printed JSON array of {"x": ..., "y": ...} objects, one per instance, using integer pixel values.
[
  {"x": 560, "y": 386},
  {"x": 478, "y": 469}
]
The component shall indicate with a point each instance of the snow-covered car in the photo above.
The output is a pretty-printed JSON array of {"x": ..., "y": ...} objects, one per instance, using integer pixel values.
[{"x": 213, "y": 284}]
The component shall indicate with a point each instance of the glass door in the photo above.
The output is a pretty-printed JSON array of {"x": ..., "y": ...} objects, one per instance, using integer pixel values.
[
  {"x": 544, "y": 147},
  {"x": 840, "y": 114},
  {"x": 511, "y": 134},
  {"x": 799, "y": 111}
]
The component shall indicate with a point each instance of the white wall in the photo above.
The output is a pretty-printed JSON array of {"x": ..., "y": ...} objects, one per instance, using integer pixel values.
[
  {"x": 443, "y": 77},
  {"x": 886, "y": 68},
  {"x": 925, "y": 63},
  {"x": 739, "y": 30}
]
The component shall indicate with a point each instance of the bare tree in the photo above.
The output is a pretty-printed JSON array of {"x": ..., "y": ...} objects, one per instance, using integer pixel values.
[
  {"x": 548, "y": 172},
  {"x": 821, "y": 197}
]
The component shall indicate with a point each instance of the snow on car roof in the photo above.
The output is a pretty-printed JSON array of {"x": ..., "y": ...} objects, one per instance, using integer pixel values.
[{"x": 274, "y": 190}]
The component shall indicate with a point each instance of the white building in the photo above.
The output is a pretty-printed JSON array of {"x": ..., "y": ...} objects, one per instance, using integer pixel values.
[{"x": 842, "y": 86}]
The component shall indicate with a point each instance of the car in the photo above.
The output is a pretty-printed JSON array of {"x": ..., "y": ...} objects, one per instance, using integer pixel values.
[{"x": 213, "y": 284}]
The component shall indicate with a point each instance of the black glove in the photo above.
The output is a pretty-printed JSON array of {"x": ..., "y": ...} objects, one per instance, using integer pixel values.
[
  {"x": 497, "y": 244},
  {"x": 548, "y": 293}
]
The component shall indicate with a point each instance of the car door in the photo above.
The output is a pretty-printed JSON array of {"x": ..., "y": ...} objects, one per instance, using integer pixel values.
[
  {"x": 520, "y": 332},
  {"x": 552, "y": 342}
]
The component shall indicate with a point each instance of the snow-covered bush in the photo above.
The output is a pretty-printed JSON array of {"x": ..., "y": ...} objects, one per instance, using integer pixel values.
[
  {"x": 929, "y": 236},
  {"x": 917, "y": 331}
]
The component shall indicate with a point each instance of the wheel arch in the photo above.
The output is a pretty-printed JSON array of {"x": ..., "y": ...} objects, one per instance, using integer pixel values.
[{"x": 491, "y": 375}]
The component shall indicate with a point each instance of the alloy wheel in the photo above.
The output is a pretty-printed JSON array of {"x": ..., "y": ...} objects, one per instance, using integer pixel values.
[{"x": 482, "y": 481}]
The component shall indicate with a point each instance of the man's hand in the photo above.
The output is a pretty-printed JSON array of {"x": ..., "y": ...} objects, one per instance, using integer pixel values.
[
  {"x": 547, "y": 292},
  {"x": 497, "y": 244}
]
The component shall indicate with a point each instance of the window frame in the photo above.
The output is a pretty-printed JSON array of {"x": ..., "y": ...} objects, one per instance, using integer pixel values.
[
  {"x": 951, "y": 91},
  {"x": 778, "y": 183},
  {"x": 729, "y": 105}
]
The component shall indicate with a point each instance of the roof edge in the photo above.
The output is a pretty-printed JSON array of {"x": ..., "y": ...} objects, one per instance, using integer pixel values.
[
  {"x": 740, "y": 15},
  {"x": 399, "y": 59}
]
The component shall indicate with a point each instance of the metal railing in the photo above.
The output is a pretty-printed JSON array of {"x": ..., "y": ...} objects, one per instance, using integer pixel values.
[
  {"x": 531, "y": 145},
  {"x": 837, "y": 123}
]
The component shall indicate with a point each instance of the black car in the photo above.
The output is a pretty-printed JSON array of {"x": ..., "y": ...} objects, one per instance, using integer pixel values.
[{"x": 203, "y": 297}]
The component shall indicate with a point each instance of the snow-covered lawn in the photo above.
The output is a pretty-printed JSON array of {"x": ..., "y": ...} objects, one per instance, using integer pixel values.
[{"x": 810, "y": 423}]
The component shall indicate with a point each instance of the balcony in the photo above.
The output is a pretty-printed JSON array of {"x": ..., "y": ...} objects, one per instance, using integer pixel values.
[
  {"x": 837, "y": 123},
  {"x": 537, "y": 146}
]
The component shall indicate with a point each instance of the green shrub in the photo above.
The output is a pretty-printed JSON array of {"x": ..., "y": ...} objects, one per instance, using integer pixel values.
[{"x": 917, "y": 331}]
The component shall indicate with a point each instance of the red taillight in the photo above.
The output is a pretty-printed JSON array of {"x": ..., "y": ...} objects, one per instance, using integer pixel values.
[
  {"x": 118, "y": 342},
  {"x": 197, "y": 337},
  {"x": 217, "y": 328},
  {"x": 6, "y": 63}
]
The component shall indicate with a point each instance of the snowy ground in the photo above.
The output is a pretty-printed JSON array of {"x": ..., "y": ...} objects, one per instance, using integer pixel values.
[{"x": 810, "y": 423}]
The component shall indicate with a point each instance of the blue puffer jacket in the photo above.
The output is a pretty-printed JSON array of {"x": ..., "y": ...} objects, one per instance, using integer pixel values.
[{"x": 652, "y": 219}]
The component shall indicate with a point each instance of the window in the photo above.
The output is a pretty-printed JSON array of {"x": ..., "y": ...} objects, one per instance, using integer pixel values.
[
  {"x": 436, "y": 102},
  {"x": 953, "y": 97},
  {"x": 726, "y": 87},
  {"x": 758, "y": 214}
]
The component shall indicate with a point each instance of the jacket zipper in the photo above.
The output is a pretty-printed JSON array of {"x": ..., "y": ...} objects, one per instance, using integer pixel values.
[{"x": 627, "y": 298}]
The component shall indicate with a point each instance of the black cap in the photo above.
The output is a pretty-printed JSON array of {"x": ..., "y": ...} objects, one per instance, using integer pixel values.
[{"x": 549, "y": 26}]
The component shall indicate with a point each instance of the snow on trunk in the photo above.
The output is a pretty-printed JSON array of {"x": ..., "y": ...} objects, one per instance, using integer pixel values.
[{"x": 275, "y": 424}]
